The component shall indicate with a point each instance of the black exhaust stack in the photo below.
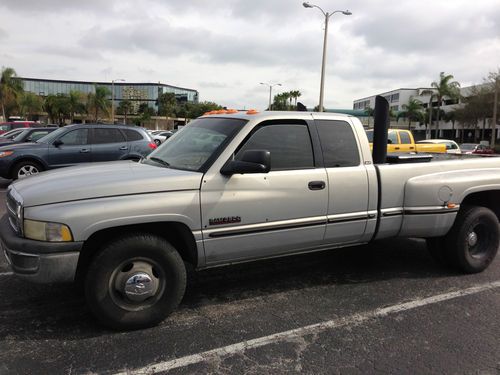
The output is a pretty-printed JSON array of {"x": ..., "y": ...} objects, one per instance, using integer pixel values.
[{"x": 380, "y": 130}]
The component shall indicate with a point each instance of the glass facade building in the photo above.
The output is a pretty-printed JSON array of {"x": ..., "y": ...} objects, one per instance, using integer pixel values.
[{"x": 137, "y": 93}]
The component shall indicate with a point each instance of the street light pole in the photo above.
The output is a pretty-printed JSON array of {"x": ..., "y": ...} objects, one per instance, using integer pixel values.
[
  {"x": 270, "y": 91},
  {"x": 113, "y": 98},
  {"x": 325, "y": 42}
]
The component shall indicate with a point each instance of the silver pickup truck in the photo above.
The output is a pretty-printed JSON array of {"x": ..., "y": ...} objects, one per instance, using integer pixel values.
[{"x": 238, "y": 187}]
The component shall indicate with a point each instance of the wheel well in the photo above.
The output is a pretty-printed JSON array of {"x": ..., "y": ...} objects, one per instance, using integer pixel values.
[
  {"x": 178, "y": 234},
  {"x": 33, "y": 160},
  {"x": 489, "y": 199}
]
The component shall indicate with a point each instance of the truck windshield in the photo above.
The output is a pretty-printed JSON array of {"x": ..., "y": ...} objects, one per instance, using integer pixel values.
[{"x": 196, "y": 145}]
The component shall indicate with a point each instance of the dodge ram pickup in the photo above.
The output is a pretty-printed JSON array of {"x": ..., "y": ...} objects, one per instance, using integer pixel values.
[{"x": 235, "y": 187}]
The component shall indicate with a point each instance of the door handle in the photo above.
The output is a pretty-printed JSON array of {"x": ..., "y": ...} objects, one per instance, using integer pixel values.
[
  {"x": 316, "y": 185},
  {"x": 123, "y": 148},
  {"x": 84, "y": 150}
]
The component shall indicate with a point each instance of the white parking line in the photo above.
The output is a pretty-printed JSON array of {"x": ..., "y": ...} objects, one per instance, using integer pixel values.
[
  {"x": 293, "y": 334},
  {"x": 6, "y": 273}
]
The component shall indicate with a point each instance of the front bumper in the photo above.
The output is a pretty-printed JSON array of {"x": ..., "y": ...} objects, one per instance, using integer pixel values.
[{"x": 37, "y": 261}]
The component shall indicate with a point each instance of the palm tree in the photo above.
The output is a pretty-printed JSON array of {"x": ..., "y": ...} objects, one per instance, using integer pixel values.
[
  {"x": 295, "y": 94},
  {"x": 369, "y": 112},
  {"x": 30, "y": 104},
  {"x": 412, "y": 111},
  {"x": 97, "y": 102},
  {"x": 444, "y": 88},
  {"x": 124, "y": 108},
  {"x": 76, "y": 104},
  {"x": 10, "y": 88}
]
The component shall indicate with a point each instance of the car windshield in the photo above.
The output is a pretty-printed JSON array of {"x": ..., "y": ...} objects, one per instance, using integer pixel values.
[
  {"x": 468, "y": 146},
  {"x": 18, "y": 137},
  {"x": 52, "y": 136},
  {"x": 11, "y": 134},
  {"x": 200, "y": 141}
]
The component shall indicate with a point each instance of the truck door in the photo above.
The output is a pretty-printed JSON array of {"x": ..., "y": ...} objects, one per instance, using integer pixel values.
[
  {"x": 406, "y": 141},
  {"x": 347, "y": 180},
  {"x": 256, "y": 215}
]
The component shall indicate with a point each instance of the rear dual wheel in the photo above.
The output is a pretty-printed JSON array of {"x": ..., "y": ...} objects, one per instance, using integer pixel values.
[
  {"x": 135, "y": 282},
  {"x": 471, "y": 244}
]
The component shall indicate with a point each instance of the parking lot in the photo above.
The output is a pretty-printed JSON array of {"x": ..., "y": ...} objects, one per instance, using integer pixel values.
[{"x": 382, "y": 308}]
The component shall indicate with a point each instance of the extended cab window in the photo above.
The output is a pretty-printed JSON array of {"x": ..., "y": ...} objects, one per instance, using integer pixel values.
[
  {"x": 338, "y": 144},
  {"x": 405, "y": 138},
  {"x": 102, "y": 135},
  {"x": 75, "y": 137},
  {"x": 289, "y": 144}
]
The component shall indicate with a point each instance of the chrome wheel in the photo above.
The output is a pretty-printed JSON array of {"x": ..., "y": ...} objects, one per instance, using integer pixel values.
[
  {"x": 137, "y": 284},
  {"x": 479, "y": 240},
  {"x": 27, "y": 170}
]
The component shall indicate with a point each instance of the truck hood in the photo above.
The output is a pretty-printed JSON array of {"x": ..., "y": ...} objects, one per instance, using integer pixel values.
[{"x": 89, "y": 181}]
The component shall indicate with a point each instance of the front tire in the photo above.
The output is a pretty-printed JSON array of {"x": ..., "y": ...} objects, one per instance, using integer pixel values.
[
  {"x": 135, "y": 282},
  {"x": 158, "y": 142},
  {"x": 472, "y": 243},
  {"x": 25, "y": 169}
]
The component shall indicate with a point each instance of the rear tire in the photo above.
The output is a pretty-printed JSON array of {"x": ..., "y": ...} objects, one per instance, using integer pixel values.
[
  {"x": 472, "y": 243},
  {"x": 135, "y": 282},
  {"x": 26, "y": 168}
]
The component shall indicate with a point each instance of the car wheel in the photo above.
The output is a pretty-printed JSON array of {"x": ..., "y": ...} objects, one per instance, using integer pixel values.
[
  {"x": 158, "y": 142},
  {"x": 135, "y": 282},
  {"x": 25, "y": 169},
  {"x": 472, "y": 243}
]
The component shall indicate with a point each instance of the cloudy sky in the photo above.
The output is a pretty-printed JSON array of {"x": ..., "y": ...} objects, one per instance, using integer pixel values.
[{"x": 224, "y": 48}]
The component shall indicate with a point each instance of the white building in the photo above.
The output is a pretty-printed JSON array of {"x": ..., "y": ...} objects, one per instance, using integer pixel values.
[{"x": 399, "y": 97}]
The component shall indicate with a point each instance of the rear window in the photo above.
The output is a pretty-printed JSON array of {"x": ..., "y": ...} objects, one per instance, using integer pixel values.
[{"x": 132, "y": 135}]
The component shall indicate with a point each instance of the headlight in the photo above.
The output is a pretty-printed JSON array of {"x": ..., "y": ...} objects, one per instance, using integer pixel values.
[
  {"x": 42, "y": 231},
  {"x": 6, "y": 153}
]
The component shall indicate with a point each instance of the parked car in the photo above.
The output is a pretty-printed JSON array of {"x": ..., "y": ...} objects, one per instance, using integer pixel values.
[
  {"x": 6, "y": 126},
  {"x": 476, "y": 148},
  {"x": 26, "y": 135},
  {"x": 74, "y": 144},
  {"x": 452, "y": 147},
  {"x": 10, "y": 134},
  {"x": 162, "y": 136}
]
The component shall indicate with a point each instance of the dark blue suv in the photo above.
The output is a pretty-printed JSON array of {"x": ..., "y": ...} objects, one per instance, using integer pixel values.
[{"x": 75, "y": 144}]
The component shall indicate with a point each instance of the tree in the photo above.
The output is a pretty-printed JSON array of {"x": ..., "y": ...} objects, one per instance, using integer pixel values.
[
  {"x": 146, "y": 112},
  {"x": 30, "y": 104},
  {"x": 369, "y": 111},
  {"x": 124, "y": 108},
  {"x": 194, "y": 110},
  {"x": 477, "y": 107},
  {"x": 295, "y": 94},
  {"x": 58, "y": 108},
  {"x": 412, "y": 111},
  {"x": 442, "y": 89},
  {"x": 97, "y": 102},
  {"x": 76, "y": 103},
  {"x": 167, "y": 104},
  {"x": 494, "y": 80},
  {"x": 11, "y": 89}
]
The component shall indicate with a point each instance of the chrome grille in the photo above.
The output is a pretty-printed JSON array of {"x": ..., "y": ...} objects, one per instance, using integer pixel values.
[{"x": 12, "y": 207}]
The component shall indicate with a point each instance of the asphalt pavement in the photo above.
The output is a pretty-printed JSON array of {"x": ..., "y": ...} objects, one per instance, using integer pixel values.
[{"x": 382, "y": 308}]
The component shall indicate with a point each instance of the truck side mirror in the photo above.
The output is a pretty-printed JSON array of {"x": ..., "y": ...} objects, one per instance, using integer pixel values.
[{"x": 252, "y": 161}]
